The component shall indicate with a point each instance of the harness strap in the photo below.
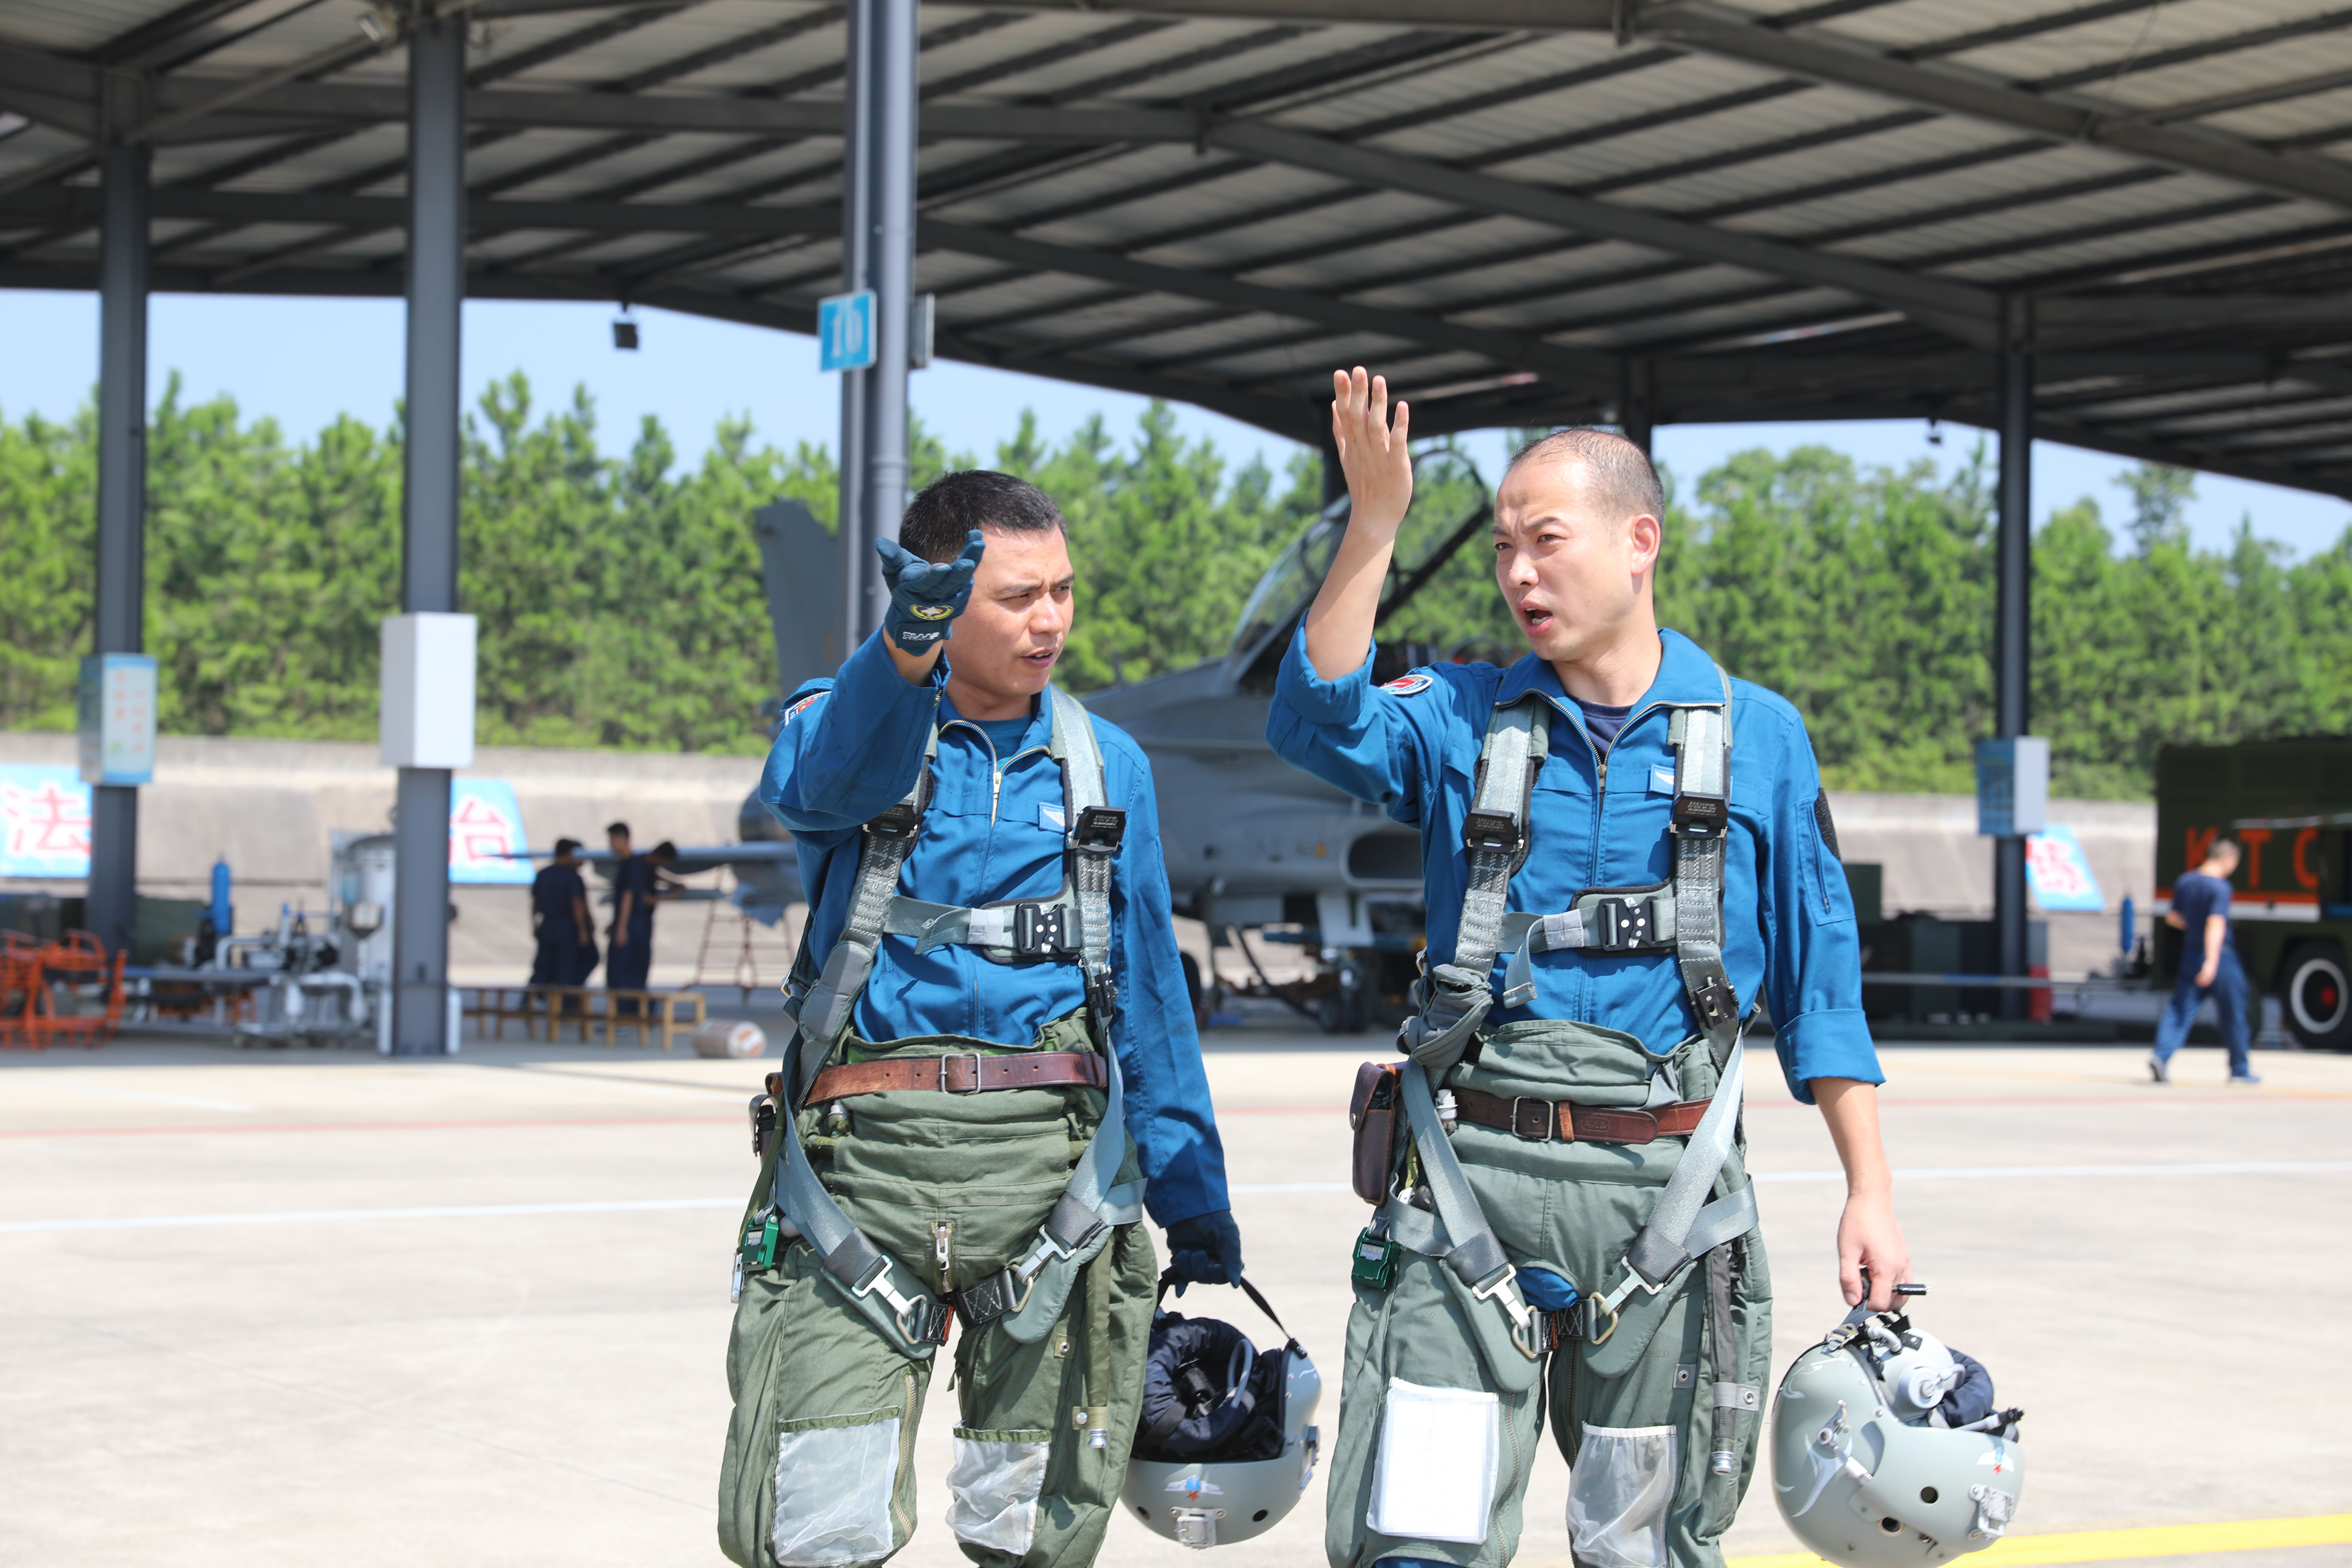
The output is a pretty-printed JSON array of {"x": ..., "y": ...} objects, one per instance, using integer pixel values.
[
  {"x": 1468, "y": 1245},
  {"x": 1702, "y": 816},
  {"x": 1684, "y": 1223},
  {"x": 912, "y": 1320},
  {"x": 1495, "y": 833}
]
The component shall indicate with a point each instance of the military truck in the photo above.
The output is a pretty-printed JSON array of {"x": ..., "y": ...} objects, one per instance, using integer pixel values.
[{"x": 2289, "y": 804}]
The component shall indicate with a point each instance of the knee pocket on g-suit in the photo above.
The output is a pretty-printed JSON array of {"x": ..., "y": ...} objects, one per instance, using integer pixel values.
[
  {"x": 995, "y": 1484},
  {"x": 836, "y": 1483}
]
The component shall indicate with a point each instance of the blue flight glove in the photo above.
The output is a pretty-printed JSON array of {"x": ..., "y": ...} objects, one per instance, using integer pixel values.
[
  {"x": 924, "y": 596},
  {"x": 1206, "y": 1250}
]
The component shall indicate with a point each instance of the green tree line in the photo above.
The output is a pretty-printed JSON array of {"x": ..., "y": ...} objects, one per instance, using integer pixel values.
[{"x": 621, "y": 603}]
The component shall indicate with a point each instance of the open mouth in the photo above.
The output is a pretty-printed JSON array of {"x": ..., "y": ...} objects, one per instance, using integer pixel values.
[
  {"x": 1533, "y": 617},
  {"x": 1043, "y": 659}
]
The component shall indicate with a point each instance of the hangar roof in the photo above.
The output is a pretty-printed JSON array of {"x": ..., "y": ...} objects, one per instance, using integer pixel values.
[{"x": 1524, "y": 210}]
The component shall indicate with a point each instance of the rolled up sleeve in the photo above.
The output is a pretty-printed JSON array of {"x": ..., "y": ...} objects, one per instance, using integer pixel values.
[
  {"x": 1813, "y": 974},
  {"x": 1168, "y": 1108}
]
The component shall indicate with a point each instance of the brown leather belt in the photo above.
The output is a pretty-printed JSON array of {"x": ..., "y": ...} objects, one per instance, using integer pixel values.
[
  {"x": 1547, "y": 1122},
  {"x": 970, "y": 1073}
]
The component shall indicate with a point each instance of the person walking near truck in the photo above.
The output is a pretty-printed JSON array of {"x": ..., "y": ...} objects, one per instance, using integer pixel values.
[{"x": 2209, "y": 965}]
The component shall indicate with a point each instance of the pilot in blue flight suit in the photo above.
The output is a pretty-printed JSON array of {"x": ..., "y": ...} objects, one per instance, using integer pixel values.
[
  {"x": 1623, "y": 849},
  {"x": 991, "y": 984}
]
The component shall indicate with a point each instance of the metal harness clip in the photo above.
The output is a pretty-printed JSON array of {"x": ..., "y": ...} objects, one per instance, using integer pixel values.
[
  {"x": 1494, "y": 832},
  {"x": 1619, "y": 925},
  {"x": 1040, "y": 930}
]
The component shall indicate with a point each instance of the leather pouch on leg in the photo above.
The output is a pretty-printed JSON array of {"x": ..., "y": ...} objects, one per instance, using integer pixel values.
[{"x": 1374, "y": 1115}]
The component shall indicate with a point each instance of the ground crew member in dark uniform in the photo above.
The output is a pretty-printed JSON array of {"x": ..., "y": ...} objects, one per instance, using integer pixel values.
[
  {"x": 994, "y": 1075},
  {"x": 1624, "y": 850},
  {"x": 559, "y": 921},
  {"x": 629, "y": 944}
]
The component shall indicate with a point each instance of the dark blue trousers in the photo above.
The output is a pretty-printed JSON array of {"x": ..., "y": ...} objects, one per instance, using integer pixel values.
[
  {"x": 2229, "y": 994},
  {"x": 626, "y": 964}
]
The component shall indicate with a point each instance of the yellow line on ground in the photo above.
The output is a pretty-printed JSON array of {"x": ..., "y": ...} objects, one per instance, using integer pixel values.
[{"x": 2125, "y": 1545}]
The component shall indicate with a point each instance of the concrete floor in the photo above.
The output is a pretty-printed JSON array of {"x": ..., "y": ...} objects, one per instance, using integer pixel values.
[{"x": 444, "y": 1384}]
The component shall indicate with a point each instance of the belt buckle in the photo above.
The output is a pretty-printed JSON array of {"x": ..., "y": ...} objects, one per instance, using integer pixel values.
[
  {"x": 973, "y": 1057},
  {"x": 1548, "y": 1123}
]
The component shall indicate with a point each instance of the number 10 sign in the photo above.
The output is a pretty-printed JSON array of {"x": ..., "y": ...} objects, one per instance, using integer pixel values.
[{"x": 845, "y": 331}]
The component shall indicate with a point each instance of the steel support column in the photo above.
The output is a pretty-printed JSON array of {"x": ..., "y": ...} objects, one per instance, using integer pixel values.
[
  {"x": 122, "y": 588},
  {"x": 892, "y": 105},
  {"x": 1635, "y": 401},
  {"x": 859, "y": 570},
  {"x": 2012, "y": 632},
  {"x": 436, "y": 292}
]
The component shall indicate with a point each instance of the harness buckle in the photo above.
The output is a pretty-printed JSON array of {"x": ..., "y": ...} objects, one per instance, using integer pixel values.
[
  {"x": 1534, "y": 1121},
  {"x": 1621, "y": 925},
  {"x": 1102, "y": 829},
  {"x": 1701, "y": 816},
  {"x": 973, "y": 1057},
  {"x": 1039, "y": 930},
  {"x": 1715, "y": 1001},
  {"x": 901, "y": 821},
  {"x": 1494, "y": 833}
]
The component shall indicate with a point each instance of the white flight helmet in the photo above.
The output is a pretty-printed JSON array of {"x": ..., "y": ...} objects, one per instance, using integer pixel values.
[
  {"x": 1887, "y": 1451},
  {"x": 1224, "y": 1443}
]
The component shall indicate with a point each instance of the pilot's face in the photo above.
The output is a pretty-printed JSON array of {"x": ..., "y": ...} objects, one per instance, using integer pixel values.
[
  {"x": 1006, "y": 643},
  {"x": 1572, "y": 568}
]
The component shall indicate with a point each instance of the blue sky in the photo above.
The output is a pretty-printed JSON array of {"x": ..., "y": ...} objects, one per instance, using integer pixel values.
[{"x": 303, "y": 362}]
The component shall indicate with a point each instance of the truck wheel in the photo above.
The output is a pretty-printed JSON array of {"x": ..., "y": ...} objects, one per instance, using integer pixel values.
[{"x": 2318, "y": 997}]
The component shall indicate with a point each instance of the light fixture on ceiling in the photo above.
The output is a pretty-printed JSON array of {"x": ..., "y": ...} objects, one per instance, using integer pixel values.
[{"x": 624, "y": 330}]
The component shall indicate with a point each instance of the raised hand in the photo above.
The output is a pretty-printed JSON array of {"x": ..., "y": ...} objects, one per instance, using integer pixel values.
[
  {"x": 1373, "y": 453},
  {"x": 926, "y": 595}
]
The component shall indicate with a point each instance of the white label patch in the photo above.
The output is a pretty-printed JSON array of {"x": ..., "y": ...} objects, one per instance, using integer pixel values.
[
  {"x": 1053, "y": 818},
  {"x": 1409, "y": 685},
  {"x": 1662, "y": 781}
]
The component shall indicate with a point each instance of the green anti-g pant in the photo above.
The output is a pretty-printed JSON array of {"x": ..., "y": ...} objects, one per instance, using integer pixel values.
[
  {"x": 819, "y": 1467},
  {"x": 1633, "y": 1415}
]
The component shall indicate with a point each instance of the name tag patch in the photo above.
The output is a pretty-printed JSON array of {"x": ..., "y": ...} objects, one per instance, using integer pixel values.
[
  {"x": 1053, "y": 816},
  {"x": 1662, "y": 781},
  {"x": 1409, "y": 685}
]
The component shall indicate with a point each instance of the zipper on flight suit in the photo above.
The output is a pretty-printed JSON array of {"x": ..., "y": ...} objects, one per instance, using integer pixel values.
[
  {"x": 943, "y": 1253},
  {"x": 996, "y": 767}
]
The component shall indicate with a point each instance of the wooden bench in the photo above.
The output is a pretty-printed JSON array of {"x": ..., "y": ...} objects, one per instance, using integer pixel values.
[{"x": 669, "y": 1012}]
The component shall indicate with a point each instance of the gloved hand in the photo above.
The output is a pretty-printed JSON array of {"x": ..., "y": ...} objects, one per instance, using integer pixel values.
[
  {"x": 1206, "y": 1250},
  {"x": 925, "y": 596}
]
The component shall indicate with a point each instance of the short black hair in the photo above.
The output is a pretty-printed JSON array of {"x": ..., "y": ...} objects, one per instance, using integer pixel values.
[
  {"x": 664, "y": 850},
  {"x": 947, "y": 509},
  {"x": 620, "y": 827},
  {"x": 565, "y": 847},
  {"x": 1622, "y": 471}
]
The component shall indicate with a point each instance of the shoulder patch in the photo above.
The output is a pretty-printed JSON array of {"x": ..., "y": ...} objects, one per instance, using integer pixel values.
[
  {"x": 1407, "y": 685},
  {"x": 809, "y": 701}
]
